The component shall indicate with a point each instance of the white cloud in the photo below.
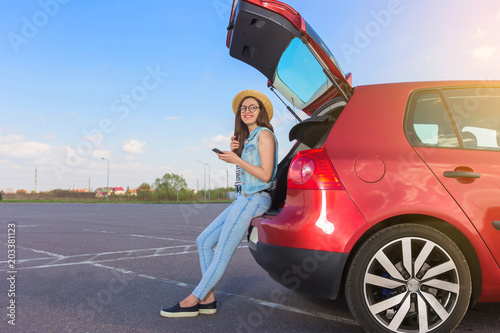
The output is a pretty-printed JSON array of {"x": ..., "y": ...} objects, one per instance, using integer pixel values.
[
  {"x": 96, "y": 139},
  {"x": 196, "y": 148},
  {"x": 16, "y": 146},
  {"x": 219, "y": 141},
  {"x": 476, "y": 34},
  {"x": 133, "y": 146},
  {"x": 50, "y": 137},
  {"x": 11, "y": 138},
  {"x": 100, "y": 153},
  {"x": 484, "y": 53}
]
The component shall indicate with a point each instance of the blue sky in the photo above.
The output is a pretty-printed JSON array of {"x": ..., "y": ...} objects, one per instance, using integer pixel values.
[{"x": 148, "y": 85}]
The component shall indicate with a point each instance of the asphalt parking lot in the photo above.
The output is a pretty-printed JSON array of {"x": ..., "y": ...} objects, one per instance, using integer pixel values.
[{"x": 112, "y": 267}]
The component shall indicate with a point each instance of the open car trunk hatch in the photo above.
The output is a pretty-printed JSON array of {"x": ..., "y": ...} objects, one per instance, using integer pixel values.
[{"x": 273, "y": 38}]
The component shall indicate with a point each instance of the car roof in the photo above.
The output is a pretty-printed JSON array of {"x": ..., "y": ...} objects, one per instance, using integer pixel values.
[{"x": 435, "y": 84}]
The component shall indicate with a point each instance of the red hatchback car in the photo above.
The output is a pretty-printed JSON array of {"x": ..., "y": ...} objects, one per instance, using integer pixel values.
[{"x": 391, "y": 192}]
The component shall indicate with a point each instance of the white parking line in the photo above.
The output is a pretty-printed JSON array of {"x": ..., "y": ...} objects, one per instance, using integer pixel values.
[
  {"x": 157, "y": 250},
  {"x": 246, "y": 298},
  {"x": 136, "y": 235},
  {"x": 91, "y": 258},
  {"x": 53, "y": 264},
  {"x": 309, "y": 313},
  {"x": 155, "y": 253},
  {"x": 40, "y": 251}
]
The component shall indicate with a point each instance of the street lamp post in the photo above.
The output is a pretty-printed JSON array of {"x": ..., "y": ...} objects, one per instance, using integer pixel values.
[
  {"x": 107, "y": 181},
  {"x": 204, "y": 181},
  {"x": 208, "y": 181}
]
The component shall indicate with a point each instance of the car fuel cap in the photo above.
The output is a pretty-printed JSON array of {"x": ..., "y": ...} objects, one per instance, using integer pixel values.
[{"x": 369, "y": 168}]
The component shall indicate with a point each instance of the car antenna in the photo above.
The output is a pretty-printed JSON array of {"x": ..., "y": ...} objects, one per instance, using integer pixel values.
[{"x": 288, "y": 107}]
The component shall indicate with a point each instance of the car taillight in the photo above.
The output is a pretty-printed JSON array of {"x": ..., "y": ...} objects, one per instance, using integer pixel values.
[{"x": 312, "y": 170}]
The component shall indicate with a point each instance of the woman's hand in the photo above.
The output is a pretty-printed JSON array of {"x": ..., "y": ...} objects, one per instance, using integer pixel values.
[
  {"x": 229, "y": 157},
  {"x": 234, "y": 144}
]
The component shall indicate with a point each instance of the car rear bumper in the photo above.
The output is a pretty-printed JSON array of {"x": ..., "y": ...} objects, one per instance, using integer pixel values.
[{"x": 314, "y": 272}]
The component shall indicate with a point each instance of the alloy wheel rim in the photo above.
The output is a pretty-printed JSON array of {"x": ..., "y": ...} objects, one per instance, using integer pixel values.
[{"x": 411, "y": 285}]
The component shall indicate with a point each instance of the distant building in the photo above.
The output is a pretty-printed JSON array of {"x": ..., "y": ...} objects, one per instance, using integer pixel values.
[
  {"x": 83, "y": 190},
  {"x": 102, "y": 191},
  {"x": 118, "y": 191}
]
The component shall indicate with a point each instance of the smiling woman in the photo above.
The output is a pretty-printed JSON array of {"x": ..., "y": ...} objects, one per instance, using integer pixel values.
[{"x": 255, "y": 153}]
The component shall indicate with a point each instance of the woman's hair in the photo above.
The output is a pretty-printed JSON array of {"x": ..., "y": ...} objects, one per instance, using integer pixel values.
[{"x": 241, "y": 129}]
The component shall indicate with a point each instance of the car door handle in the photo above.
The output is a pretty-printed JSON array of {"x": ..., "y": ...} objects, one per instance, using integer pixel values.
[
  {"x": 496, "y": 224},
  {"x": 461, "y": 174}
]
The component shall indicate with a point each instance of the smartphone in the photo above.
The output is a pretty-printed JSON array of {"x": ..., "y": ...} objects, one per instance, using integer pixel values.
[{"x": 217, "y": 151}]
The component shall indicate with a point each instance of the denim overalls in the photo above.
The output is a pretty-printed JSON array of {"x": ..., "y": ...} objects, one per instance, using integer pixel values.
[{"x": 229, "y": 228}]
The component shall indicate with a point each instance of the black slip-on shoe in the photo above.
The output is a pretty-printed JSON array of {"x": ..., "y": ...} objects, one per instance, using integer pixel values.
[
  {"x": 177, "y": 311},
  {"x": 209, "y": 308}
]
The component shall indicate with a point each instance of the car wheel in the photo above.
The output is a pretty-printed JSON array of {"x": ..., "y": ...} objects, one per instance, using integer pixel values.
[{"x": 408, "y": 278}]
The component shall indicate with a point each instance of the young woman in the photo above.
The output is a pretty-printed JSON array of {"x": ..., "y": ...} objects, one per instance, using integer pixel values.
[{"x": 254, "y": 151}]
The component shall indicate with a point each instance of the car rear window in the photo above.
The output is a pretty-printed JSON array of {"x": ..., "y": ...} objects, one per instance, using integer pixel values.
[
  {"x": 429, "y": 123},
  {"x": 466, "y": 118},
  {"x": 477, "y": 114}
]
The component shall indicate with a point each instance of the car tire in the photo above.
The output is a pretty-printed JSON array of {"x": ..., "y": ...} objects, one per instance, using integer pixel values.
[{"x": 408, "y": 278}]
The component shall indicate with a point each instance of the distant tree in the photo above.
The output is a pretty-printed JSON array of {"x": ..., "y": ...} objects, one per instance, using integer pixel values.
[
  {"x": 145, "y": 187},
  {"x": 143, "y": 191},
  {"x": 21, "y": 192},
  {"x": 166, "y": 187},
  {"x": 1, "y": 195},
  {"x": 170, "y": 181}
]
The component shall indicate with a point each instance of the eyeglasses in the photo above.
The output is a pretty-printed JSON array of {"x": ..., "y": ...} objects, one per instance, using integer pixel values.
[{"x": 251, "y": 108}]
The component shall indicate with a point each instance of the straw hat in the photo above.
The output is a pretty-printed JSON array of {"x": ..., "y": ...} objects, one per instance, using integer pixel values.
[{"x": 255, "y": 94}]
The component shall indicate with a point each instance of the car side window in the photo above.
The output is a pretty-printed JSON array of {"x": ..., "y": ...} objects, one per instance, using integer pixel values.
[
  {"x": 428, "y": 123},
  {"x": 477, "y": 115}
]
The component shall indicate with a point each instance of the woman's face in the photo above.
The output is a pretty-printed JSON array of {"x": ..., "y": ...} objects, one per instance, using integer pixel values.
[{"x": 248, "y": 116}]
